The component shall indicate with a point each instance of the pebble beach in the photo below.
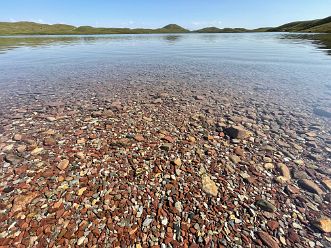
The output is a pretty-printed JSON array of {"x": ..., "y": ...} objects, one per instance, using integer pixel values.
[{"x": 163, "y": 164}]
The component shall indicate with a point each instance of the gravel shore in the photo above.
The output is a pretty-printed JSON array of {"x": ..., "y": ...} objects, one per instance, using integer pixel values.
[{"x": 166, "y": 164}]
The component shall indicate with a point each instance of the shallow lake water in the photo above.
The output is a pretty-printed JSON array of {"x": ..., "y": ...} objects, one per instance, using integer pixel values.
[{"x": 300, "y": 62}]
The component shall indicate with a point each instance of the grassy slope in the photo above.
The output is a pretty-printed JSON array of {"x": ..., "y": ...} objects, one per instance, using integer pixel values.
[
  {"x": 223, "y": 30},
  {"x": 33, "y": 28},
  {"x": 21, "y": 28},
  {"x": 321, "y": 25}
]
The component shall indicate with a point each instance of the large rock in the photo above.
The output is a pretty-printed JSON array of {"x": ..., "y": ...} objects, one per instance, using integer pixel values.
[
  {"x": 323, "y": 224},
  {"x": 237, "y": 132},
  {"x": 21, "y": 201},
  {"x": 325, "y": 112},
  {"x": 266, "y": 205},
  {"x": 13, "y": 159},
  {"x": 310, "y": 186},
  {"x": 327, "y": 183},
  {"x": 268, "y": 240},
  {"x": 63, "y": 164},
  {"x": 209, "y": 185},
  {"x": 284, "y": 171}
]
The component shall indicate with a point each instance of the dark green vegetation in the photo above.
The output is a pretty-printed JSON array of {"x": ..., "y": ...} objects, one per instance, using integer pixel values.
[
  {"x": 314, "y": 26},
  {"x": 30, "y": 28},
  {"x": 322, "y": 41},
  {"x": 223, "y": 30}
]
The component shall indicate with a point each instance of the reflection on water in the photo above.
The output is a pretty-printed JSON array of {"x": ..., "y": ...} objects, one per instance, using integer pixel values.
[
  {"x": 172, "y": 38},
  {"x": 266, "y": 58},
  {"x": 321, "y": 41},
  {"x": 11, "y": 42}
]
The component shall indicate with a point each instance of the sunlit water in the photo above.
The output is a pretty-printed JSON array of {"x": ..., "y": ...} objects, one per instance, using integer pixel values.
[{"x": 300, "y": 62}]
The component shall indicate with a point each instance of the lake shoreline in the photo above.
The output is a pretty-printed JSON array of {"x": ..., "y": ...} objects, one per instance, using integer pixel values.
[{"x": 175, "y": 162}]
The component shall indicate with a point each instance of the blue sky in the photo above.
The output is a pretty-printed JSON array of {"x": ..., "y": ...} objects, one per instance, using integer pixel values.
[{"x": 156, "y": 13}]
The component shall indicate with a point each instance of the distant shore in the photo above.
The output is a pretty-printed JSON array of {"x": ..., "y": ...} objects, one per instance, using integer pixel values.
[{"x": 32, "y": 28}]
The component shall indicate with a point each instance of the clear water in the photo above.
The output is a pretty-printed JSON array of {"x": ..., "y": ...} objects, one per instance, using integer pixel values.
[{"x": 298, "y": 62}]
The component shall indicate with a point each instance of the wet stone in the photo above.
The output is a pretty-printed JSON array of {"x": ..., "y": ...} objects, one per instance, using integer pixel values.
[
  {"x": 310, "y": 186},
  {"x": 268, "y": 240},
  {"x": 323, "y": 224},
  {"x": 266, "y": 205},
  {"x": 237, "y": 132},
  {"x": 144, "y": 163},
  {"x": 165, "y": 147},
  {"x": 13, "y": 159},
  {"x": 273, "y": 225}
]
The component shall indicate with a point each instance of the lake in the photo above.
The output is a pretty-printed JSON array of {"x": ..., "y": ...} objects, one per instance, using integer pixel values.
[
  {"x": 295, "y": 65},
  {"x": 198, "y": 140}
]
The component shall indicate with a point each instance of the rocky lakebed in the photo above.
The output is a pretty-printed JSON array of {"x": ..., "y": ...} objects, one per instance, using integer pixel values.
[{"x": 163, "y": 164}]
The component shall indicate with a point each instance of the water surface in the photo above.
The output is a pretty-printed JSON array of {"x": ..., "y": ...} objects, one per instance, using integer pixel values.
[{"x": 300, "y": 62}]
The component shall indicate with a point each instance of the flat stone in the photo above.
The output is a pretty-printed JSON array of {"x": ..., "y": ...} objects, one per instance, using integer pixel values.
[
  {"x": 157, "y": 101},
  {"x": 323, "y": 224},
  {"x": 209, "y": 185},
  {"x": 17, "y": 137},
  {"x": 198, "y": 97},
  {"x": 51, "y": 118},
  {"x": 293, "y": 236},
  {"x": 239, "y": 151},
  {"x": 291, "y": 189},
  {"x": 299, "y": 174},
  {"x": 13, "y": 159},
  {"x": 166, "y": 147},
  {"x": 269, "y": 166},
  {"x": 147, "y": 221},
  {"x": 178, "y": 162},
  {"x": 49, "y": 141},
  {"x": 327, "y": 183},
  {"x": 96, "y": 114},
  {"x": 191, "y": 139},
  {"x": 21, "y": 201},
  {"x": 179, "y": 206},
  {"x": 139, "y": 137},
  {"x": 21, "y": 148},
  {"x": 81, "y": 191},
  {"x": 80, "y": 155},
  {"x": 322, "y": 112},
  {"x": 266, "y": 205},
  {"x": 267, "y": 239},
  {"x": 81, "y": 240},
  {"x": 310, "y": 186},
  {"x": 37, "y": 151},
  {"x": 284, "y": 171},
  {"x": 237, "y": 132},
  {"x": 63, "y": 164},
  {"x": 235, "y": 159},
  {"x": 273, "y": 225}
]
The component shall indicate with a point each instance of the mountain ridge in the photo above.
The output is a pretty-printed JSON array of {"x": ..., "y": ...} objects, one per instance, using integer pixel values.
[{"x": 33, "y": 28}]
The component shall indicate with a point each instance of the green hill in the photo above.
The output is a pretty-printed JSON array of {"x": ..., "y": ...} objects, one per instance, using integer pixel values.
[
  {"x": 31, "y": 28},
  {"x": 8, "y": 28},
  {"x": 26, "y": 28},
  {"x": 172, "y": 28},
  {"x": 223, "y": 30},
  {"x": 317, "y": 26}
]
